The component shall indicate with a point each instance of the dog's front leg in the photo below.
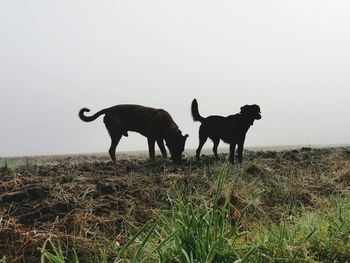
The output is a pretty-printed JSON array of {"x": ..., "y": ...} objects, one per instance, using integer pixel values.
[
  {"x": 151, "y": 144},
  {"x": 232, "y": 152},
  {"x": 162, "y": 148},
  {"x": 240, "y": 152}
]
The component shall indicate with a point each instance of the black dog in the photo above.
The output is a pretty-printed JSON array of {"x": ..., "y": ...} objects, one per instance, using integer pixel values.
[
  {"x": 231, "y": 129},
  {"x": 155, "y": 124}
]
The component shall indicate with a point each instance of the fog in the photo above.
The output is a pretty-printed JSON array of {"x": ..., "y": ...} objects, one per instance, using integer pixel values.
[{"x": 292, "y": 58}]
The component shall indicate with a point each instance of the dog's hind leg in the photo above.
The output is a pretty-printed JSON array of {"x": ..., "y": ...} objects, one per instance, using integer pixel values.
[
  {"x": 216, "y": 142},
  {"x": 162, "y": 148},
  {"x": 111, "y": 151},
  {"x": 116, "y": 135},
  {"x": 151, "y": 143},
  {"x": 202, "y": 139}
]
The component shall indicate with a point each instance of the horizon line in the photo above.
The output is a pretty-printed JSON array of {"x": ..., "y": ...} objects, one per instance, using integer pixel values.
[{"x": 220, "y": 149}]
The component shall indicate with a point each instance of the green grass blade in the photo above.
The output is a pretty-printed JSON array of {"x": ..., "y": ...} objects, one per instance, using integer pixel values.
[
  {"x": 147, "y": 238},
  {"x": 127, "y": 245}
]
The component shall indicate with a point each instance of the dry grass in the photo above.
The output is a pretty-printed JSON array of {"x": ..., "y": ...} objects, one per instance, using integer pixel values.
[{"x": 78, "y": 201}]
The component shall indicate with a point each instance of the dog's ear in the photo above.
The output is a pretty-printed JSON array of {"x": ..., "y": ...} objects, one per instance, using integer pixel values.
[{"x": 244, "y": 108}]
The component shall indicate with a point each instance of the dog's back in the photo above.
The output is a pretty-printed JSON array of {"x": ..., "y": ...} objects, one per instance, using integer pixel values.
[
  {"x": 215, "y": 126},
  {"x": 225, "y": 128},
  {"x": 139, "y": 118}
]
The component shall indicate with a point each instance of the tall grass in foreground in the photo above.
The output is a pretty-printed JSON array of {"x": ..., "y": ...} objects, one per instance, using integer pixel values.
[
  {"x": 197, "y": 230},
  {"x": 192, "y": 231},
  {"x": 201, "y": 232}
]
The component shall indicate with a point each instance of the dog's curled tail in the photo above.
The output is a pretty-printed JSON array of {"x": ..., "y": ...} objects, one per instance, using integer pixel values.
[
  {"x": 195, "y": 113},
  {"x": 90, "y": 118}
]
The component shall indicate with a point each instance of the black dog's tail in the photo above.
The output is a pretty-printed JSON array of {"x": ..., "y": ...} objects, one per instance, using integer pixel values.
[
  {"x": 195, "y": 113},
  {"x": 90, "y": 118}
]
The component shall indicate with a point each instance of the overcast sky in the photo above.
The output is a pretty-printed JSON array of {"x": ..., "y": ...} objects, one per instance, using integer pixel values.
[{"x": 290, "y": 57}]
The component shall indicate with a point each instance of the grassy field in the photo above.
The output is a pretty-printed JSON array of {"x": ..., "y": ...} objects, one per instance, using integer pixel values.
[{"x": 278, "y": 206}]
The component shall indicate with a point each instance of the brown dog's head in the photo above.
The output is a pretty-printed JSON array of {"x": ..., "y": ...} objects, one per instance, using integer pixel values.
[
  {"x": 252, "y": 112},
  {"x": 176, "y": 145}
]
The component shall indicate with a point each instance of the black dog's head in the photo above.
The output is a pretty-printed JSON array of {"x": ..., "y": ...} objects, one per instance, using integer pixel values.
[
  {"x": 252, "y": 112},
  {"x": 176, "y": 145}
]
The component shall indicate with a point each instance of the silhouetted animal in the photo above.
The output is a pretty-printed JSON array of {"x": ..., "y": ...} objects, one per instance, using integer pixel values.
[
  {"x": 155, "y": 124},
  {"x": 231, "y": 129}
]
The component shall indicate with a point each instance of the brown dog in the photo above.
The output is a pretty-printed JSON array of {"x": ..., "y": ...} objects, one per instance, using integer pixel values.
[
  {"x": 231, "y": 129},
  {"x": 155, "y": 124}
]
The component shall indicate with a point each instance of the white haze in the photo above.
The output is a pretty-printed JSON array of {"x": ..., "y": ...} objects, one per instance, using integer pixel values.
[{"x": 290, "y": 57}]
